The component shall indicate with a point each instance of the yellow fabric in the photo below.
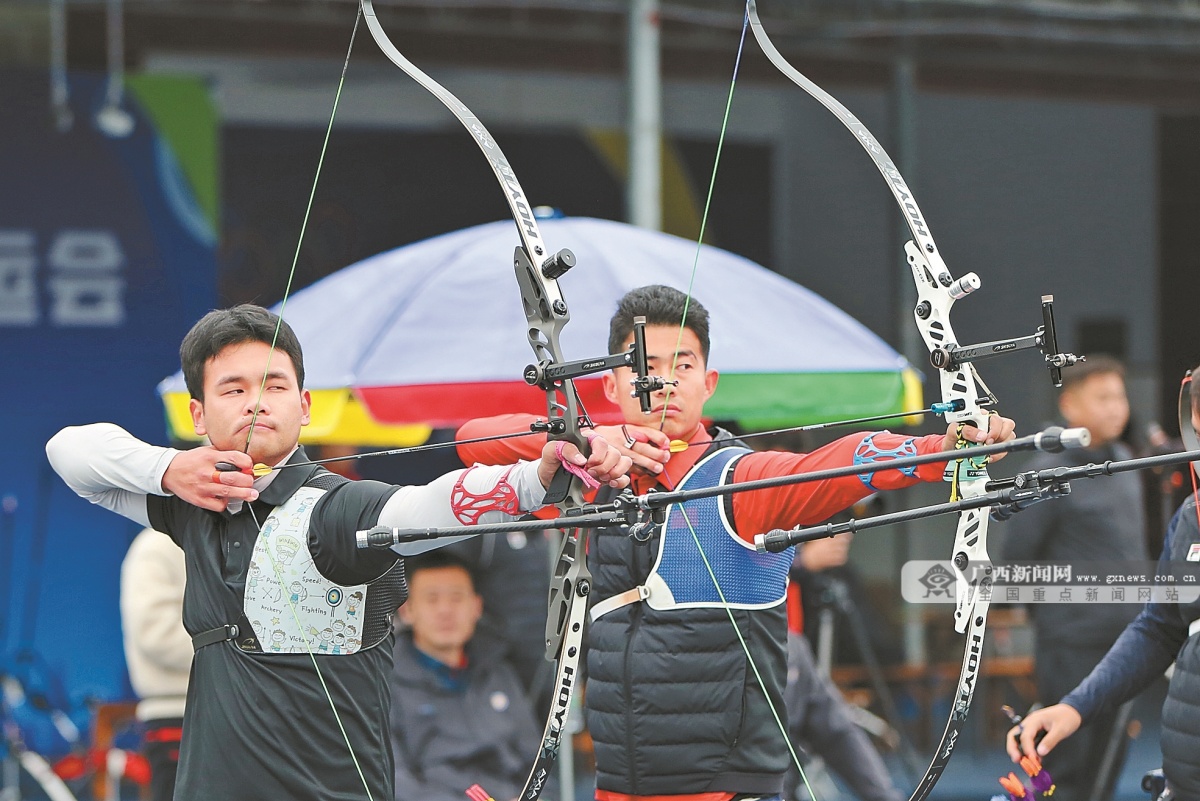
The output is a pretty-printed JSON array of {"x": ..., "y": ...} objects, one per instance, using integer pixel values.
[{"x": 338, "y": 418}]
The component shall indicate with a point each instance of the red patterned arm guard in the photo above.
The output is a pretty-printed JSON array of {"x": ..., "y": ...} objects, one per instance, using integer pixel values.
[{"x": 808, "y": 504}]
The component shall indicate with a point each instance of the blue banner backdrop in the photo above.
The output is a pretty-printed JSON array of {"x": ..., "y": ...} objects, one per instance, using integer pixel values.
[{"x": 105, "y": 261}]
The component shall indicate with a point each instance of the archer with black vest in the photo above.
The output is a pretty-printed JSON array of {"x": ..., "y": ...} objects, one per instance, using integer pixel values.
[
  {"x": 291, "y": 622},
  {"x": 673, "y": 703},
  {"x": 1163, "y": 633}
]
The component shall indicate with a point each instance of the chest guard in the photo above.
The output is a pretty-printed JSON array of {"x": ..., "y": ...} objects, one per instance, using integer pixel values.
[
  {"x": 680, "y": 579},
  {"x": 291, "y": 608}
]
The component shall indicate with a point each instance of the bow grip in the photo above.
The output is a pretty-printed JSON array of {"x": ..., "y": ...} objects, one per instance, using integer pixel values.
[{"x": 560, "y": 487}]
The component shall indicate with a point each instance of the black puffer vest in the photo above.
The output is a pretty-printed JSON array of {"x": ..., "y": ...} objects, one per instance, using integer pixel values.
[
  {"x": 673, "y": 705},
  {"x": 1181, "y": 710}
]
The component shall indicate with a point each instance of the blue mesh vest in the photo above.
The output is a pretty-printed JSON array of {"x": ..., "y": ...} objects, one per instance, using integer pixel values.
[{"x": 680, "y": 578}]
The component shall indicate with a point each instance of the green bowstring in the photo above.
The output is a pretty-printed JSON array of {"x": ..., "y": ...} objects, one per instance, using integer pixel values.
[
  {"x": 674, "y": 359},
  {"x": 308, "y": 645}
]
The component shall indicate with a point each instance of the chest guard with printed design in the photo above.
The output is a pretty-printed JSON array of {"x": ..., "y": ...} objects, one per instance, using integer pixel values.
[
  {"x": 680, "y": 579},
  {"x": 291, "y": 608}
]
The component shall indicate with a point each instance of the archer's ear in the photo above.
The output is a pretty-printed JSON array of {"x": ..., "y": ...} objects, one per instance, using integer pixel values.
[
  {"x": 609, "y": 382},
  {"x": 197, "y": 410},
  {"x": 305, "y": 408},
  {"x": 710, "y": 383}
]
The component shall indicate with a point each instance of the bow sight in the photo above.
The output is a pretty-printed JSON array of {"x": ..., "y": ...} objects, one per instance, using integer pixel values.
[
  {"x": 950, "y": 355},
  {"x": 548, "y": 375}
]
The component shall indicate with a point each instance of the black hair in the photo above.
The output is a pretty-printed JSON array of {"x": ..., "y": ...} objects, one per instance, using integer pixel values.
[
  {"x": 431, "y": 560},
  {"x": 221, "y": 328},
  {"x": 660, "y": 305},
  {"x": 1094, "y": 365}
]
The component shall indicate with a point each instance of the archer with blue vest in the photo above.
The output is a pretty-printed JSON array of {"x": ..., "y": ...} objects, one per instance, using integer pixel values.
[{"x": 674, "y": 706}]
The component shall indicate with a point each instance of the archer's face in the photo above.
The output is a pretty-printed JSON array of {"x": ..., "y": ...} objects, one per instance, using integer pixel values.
[
  {"x": 232, "y": 380},
  {"x": 677, "y": 410}
]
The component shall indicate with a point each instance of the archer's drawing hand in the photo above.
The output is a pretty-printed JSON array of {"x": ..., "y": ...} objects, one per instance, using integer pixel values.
[
  {"x": 648, "y": 447},
  {"x": 193, "y": 477}
]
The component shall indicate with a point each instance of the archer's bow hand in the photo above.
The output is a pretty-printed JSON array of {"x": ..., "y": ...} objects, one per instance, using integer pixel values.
[
  {"x": 604, "y": 465},
  {"x": 201, "y": 476},
  {"x": 1000, "y": 429},
  {"x": 648, "y": 447},
  {"x": 1040, "y": 731}
]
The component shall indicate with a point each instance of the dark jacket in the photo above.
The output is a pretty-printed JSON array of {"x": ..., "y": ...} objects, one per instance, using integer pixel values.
[
  {"x": 1100, "y": 521},
  {"x": 1147, "y": 647},
  {"x": 449, "y": 733},
  {"x": 673, "y": 706}
]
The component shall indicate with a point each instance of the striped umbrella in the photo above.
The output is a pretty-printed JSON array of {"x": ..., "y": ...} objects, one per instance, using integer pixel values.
[{"x": 432, "y": 334}]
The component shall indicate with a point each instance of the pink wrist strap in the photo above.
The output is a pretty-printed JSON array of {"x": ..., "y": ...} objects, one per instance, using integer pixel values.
[{"x": 574, "y": 469}]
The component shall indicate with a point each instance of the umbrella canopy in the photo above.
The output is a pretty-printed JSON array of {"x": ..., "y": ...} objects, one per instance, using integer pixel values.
[{"x": 432, "y": 333}]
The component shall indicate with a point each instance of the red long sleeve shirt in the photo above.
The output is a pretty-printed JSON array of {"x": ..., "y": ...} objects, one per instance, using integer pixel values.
[{"x": 755, "y": 511}]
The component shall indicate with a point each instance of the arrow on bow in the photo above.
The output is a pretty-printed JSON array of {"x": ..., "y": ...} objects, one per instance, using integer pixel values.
[{"x": 640, "y": 512}]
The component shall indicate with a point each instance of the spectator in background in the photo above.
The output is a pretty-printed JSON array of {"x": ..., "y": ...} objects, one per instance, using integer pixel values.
[
  {"x": 158, "y": 650},
  {"x": 459, "y": 714},
  {"x": 513, "y": 579},
  {"x": 1098, "y": 521},
  {"x": 512, "y": 571}
]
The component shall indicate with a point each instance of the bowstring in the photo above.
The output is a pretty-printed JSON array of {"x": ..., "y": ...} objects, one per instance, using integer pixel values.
[
  {"x": 662, "y": 423},
  {"x": 712, "y": 182},
  {"x": 308, "y": 645},
  {"x": 287, "y": 290}
]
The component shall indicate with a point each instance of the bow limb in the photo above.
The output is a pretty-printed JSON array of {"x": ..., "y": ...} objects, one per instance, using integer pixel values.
[
  {"x": 546, "y": 313},
  {"x": 937, "y": 290}
]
